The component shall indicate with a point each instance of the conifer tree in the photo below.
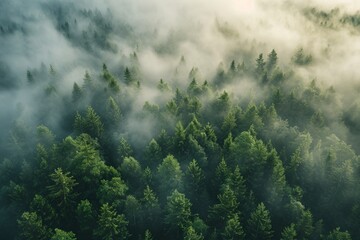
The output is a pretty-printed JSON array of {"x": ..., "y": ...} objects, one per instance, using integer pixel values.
[
  {"x": 178, "y": 212},
  {"x": 260, "y": 65},
  {"x": 289, "y": 233},
  {"x": 259, "y": 224},
  {"x": 272, "y": 60},
  {"x": 233, "y": 229},
  {"x": 62, "y": 189},
  {"x": 111, "y": 225},
  {"x": 62, "y": 235},
  {"x": 31, "y": 227}
]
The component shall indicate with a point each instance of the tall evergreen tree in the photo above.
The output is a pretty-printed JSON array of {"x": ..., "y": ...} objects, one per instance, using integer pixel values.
[
  {"x": 62, "y": 189},
  {"x": 169, "y": 175},
  {"x": 31, "y": 227},
  {"x": 260, "y": 65},
  {"x": 111, "y": 225},
  {"x": 259, "y": 224},
  {"x": 178, "y": 212},
  {"x": 272, "y": 60},
  {"x": 233, "y": 229}
]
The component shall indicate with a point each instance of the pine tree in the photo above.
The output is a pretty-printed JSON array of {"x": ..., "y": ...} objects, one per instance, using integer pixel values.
[
  {"x": 42, "y": 207},
  {"x": 90, "y": 123},
  {"x": 233, "y": 229},
  {"x": 271, "y": 61},
  {"x": 336, "y": 234},
  {"x": 226, "y": 208},
  {"x": 179, "y": 139},
  {"x": 132, "y": 210},
  {"x": 233, "y": 66},
  {"x": 62, "y": 235},
  {"x": 169, "y": 175},
  {"x": 195, "y": 177},
  {"x": 124, "y": 148},
  {"x": 131, "y": 170},
  {"x": 289, "y": 233},
  {"x": 190, "y": 234},
  {"x": 113, "y": 112},
  {"x": 111, "y": 225},
  {"x": 229, "y": 123},
  {"x": 153, "y": 153},
  {"x": 151, "y": 210},
  {"x": 128, "y": 76},
  {"x": 30, "y": 77},
  {"x": 62, "y": 189},
  {"x": 259, "y": 224},
  {"x": 260, "y": 65},
  {"x": 147, "y": 235},
  {"x": 88, "y": 82},
  {"x": 237, "y": 184},
  {"x": 76, "y": 93},
  {"x": 85, "y": 218},
  {"x": 31, "y": 227},
  {"x": 178, "y": 212},
  {"x": 111, "y": 191},
  {"x": 222, "y": 174}
]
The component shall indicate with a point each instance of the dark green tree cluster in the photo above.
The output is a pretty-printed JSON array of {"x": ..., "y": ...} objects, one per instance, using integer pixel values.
[{"x": 207, "y": 163}]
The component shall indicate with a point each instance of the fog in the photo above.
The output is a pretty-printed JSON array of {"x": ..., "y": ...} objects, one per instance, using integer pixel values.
[{"x": 33, "y": 35}]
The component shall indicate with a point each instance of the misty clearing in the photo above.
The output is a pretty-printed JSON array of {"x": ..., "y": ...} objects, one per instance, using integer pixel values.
[{"x": 180, "y": 119}]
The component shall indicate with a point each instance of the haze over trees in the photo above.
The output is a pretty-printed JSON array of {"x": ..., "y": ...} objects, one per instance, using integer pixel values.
[{"x": 147, "y": 129}]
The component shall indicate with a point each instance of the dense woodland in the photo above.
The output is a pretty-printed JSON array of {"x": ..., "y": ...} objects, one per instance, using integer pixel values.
[{"x": 253, "y": 152}]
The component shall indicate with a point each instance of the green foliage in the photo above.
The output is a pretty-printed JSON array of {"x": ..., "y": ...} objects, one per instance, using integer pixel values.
[
  {"x": 147, "y": 235},
  {"x": 305, "y": 227},
  {"x": 195, "y": 177},
  {"x": 272, "y": 60},
  {"x": 113, "y": 112},
  {"x": 62, "y": 189},
  {"x": 226, "y": 208},
  {"x": 163, "y": 86},
  {"x": 85, "y": 160},
  {"x": 191, "y": 234},
  {"x": 76, "y": 93},
  {"x": 336, "y": 234},
  {"x": 129, "y": 79},
  {"x": 41, "y": 206},
  {"x": 62, "y": 235},
  {"x": 44, "y": 135},
  {"x": 178, "y": 211},
  {"x": 259, "y": 224},
  {"x": 301, "y": 58},
  {"x": 124, "y": 148},
  {"x": 150, "y": 209},
  {"x": 111, "y": 225},
  {"x": 90, "y": 123},
  {"x": 179, "y": 138},
  {"x": 85, "y": 217},
  {"x": 198, "y": 162},
  {"x": 153, "y": 152},
  {"x": 88, "y": 82},
  {"x": 131, "y": 170},
  {"x": 222, "y": 173},
  {"x": 233, "y": 229},
  {"x": 31, "y": 227},
  {"x": 112, "y": 191},
  {"x": 289, "y": 233},
  {"x": 169, "y": 175},
  {"x": 260, "y": 64},
  {"x": 237, "y": 185},
  {"x": 132, "y": 209}
]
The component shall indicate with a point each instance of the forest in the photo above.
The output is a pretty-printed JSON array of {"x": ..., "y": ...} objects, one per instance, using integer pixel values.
[{"x": 168, "y": 130}]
